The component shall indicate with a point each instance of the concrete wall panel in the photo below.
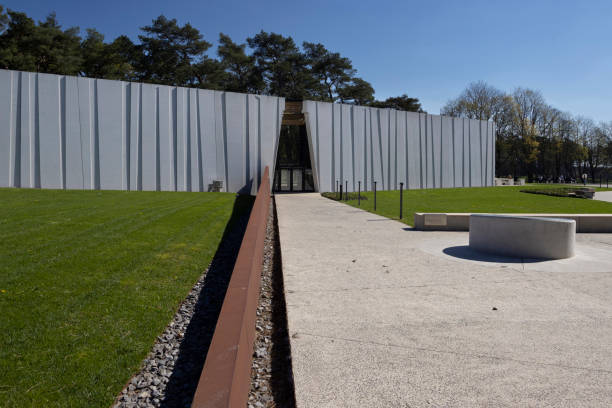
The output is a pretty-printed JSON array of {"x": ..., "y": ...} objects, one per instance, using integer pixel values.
[
  {"x": 413, "y": 146},
  {"x": 475, "y": 153},
  {"x": 457, "y": 152},
  {"x": 400, "y": 156},
  {"x": 82, "y": 133},
  {"x": 448, "y": 155},
  {"x": 388, "y": 146}
]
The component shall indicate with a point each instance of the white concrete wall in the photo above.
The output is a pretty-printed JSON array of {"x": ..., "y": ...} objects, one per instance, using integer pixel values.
[
  {"x": 356, "y": 143},
  {"x": 82, "y": 133}
]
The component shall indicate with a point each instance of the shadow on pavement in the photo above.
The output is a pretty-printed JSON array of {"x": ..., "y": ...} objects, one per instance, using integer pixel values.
[{"x": 465, "y": 252}]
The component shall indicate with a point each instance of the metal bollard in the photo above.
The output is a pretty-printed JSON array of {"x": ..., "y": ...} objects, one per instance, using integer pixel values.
[
  {"x": 340, "y": 192},
  {"x": 346, "y": 189},
  {"x": 359, "y": 194},
  {"x": 374, "y": 196},
  {"x": 337, "y": 189},
  {"x": 401, "y": 199}
]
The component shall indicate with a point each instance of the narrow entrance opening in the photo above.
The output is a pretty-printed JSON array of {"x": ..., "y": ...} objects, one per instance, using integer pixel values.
[
  {"x": 293, "y": 171},
  {"x": 293, "y": 168}
]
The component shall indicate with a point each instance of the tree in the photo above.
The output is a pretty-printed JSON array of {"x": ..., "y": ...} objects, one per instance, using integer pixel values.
[
  {"x": 110, "y": 61},
  {"x": 478, "y": 101},
  {"x": 169, "y": 51},
  {"x": 332, "y": 71},
  {"x": 282, "y": 65},
  {"x": 45, "y": 47},
  {"x": 403, "y": 103},
  {"x": 358, "y": 92},
  {"x": 4, "y": 19},
  {"x": 242, "y": 75}
]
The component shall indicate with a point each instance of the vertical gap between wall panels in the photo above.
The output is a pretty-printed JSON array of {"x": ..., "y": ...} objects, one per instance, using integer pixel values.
[
  {"x": 199, "y": 134},
  {"x": 441, "y": 185},
  {"x": 139, "y": 143},
  {"x": 426, "y": 154},
  {"x": 454, "y": 153},
  {"x": 157, "y": 147},
  {"x": 380, "y": 150},
  {"x": 470, "y": 150},
  {"x": 420, "y": 153},
  {"x": 80, "y": 134},
  {"x": 224, "y": 121},
  {"x": 353, "y": 143},
  {"x": 246, "y": 149},
  {"x": 62, "y": 127},
  {"x": 187, "y": 133},
  {"x": 12, "y": 136},
  {"x": 396, "y": 163},
  {"x": 333, "y": 150},
  {"x": 96, "y": 136},
  {"x": 173, "y": 114},
  {"x": 406, "y": 152},
  {"x": 480, "y": 150},
  {"x": 365, "y": 150},
  {"x": 128, "y": 134},
  {"x": 258, "y": 99},
  {"x": 36, "y": 175}
]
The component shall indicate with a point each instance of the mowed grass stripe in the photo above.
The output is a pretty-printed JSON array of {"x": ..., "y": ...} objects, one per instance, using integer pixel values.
[
  {"x": 82, "y": 307},
  {"x": 506, "y": 199},
  {"x": 36, "y": 229}
]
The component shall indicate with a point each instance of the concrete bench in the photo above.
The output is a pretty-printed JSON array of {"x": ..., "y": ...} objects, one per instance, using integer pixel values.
[
  {"x": 589, "y": 223},
  {"x": 525, "y": 237}
]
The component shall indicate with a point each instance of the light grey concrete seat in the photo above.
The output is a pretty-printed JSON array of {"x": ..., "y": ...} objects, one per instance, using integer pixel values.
[{"x": 525, "y": 237}]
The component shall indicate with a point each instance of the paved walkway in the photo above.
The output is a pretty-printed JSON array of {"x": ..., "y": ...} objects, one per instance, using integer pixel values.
[{"x": 380, "y": 315}]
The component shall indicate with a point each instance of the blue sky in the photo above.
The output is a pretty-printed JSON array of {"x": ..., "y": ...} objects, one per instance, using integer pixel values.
[{"x": 429, "y": 50}]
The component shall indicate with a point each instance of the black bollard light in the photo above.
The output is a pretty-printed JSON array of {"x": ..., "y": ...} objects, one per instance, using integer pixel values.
[
  {"x": 346, "y": 189},
  {"x": 374, "y": 196},
  {"x": 401, "y": 198},
  {"x": 359, "y": 194},
  {"x": 340, "y": 192}
]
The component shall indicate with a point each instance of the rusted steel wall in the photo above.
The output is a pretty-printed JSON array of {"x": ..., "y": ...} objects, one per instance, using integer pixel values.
[{"x": 226, "y": 376}]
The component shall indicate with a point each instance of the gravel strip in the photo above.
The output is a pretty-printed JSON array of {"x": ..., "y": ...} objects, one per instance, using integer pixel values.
[
  {"x": 271, "y": 372},
  {"x": 170, "y": 373}
]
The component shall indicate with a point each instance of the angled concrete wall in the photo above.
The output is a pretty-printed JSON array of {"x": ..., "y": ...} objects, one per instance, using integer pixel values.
[
  {"x": 357, "y": 143},
  {"x": 82, "y": 133}
]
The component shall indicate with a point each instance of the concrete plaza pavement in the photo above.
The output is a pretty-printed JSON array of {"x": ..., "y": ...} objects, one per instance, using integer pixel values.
[{"x": 381, "y": 315}]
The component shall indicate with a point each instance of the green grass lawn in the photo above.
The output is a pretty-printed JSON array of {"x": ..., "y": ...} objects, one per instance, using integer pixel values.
[
  {"x": 88, "y": 279},
  {"x": 481, "y": 200}
]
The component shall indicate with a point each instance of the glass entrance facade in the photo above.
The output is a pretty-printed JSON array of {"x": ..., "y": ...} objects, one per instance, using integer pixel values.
[{"x": 293, "y": 168}]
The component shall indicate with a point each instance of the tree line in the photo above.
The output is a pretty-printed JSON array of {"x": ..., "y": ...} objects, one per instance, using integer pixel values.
[
  {"x": 172, "y": 54},
  {"x": 534, "y": 139}
]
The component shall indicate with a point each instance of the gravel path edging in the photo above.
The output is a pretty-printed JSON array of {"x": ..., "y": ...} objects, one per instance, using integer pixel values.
[{"x": 271, "y": 372}]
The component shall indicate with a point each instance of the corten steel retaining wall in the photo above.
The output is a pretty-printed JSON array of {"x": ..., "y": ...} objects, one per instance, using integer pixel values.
[
  {"x": 226, "y": 376},
  {"x": 81, "y": 133},
  {"x": 357, "y": 143}
]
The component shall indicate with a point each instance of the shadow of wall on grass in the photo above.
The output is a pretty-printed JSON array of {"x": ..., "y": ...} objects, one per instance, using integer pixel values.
[{"x": 198, "y": 336}]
